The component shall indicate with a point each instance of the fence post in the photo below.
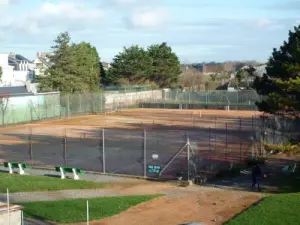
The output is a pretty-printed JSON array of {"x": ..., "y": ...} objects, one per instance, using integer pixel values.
[
  {"x": 209, "y": 138},
  {"x": 80, "y": 103},
  {"x": 188, "y": 157},
  {"x": 145, "y": 154},
  {"x": 226, "y": 148},
  {"x": 30, "y": 146},
  {"x": 215, "y": 142},
  {"x": 65, "y": 149},
  {"x": 103, "y": 150},
  {"x": 241, "y": 144},
  {"x": 68, "y": 104}
]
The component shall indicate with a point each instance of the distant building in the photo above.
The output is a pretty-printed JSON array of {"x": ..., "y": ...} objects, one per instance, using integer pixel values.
[
  {"x": 106, "y": 65},
  {"x": 15, "y": 214},
  {"x": 15, "y": 91},
  {"x": 16, "y": 70},
  {"x": 41, "y": 63},
  {"x": 209, "y": 69}
]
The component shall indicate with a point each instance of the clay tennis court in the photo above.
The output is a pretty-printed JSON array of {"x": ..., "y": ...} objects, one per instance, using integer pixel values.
[{"x": 216, "y": 137}]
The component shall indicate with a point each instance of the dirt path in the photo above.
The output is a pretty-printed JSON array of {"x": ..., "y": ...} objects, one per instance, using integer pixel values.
[
  {"x": 206, "y": 205},
  {"x": 116, "y": 190}
]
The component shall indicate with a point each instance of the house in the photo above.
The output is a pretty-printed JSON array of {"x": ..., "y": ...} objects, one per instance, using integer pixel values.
[
  {"x": 16, "y": 70},
  {"x": 188, "y": 69},
  {"x": 14, "y": 91},
  {"x": 215, "y": 68},
  {"x": 41, "y": 63},
  {"x": 13, "y": 214},
  {"x": 209, "y": 69},
  {"x": 106, "y": 65},
  {"x": 259, "y": 71}
]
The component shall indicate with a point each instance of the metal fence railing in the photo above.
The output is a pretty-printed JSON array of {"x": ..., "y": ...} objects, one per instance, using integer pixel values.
[
  {"x": 240, "y": 100},
  {"x": 131, "y": 151},
  {"x": 127, "y": 88}
]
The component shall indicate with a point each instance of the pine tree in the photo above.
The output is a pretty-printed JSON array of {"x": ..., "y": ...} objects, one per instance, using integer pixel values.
[
  {"x": 166, "y": 65},
  {"x": 133, "y": 65},
  {"x": 74, "y": 67},
  {"x": 281, "y": 83},
  {"x": 87, "y": 66}
]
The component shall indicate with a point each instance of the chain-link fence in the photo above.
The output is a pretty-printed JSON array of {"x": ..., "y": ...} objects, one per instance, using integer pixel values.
[
  {"x": 24, "y": 109},
  {"x": 215, "y": 143},
  {"x": 127, "y": 88},
  {"x": 276, "y": 130},
  {"x": 179, "y": 99}
]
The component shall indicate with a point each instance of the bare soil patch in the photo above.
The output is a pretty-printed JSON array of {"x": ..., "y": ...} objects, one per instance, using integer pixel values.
[{"x": 193, "y": 204}]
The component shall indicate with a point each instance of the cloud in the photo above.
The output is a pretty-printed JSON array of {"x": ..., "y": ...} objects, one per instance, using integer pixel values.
[
  {"x": 65, "y": 15},
  {"x": 69, "y": 11},
  {"x": 264, "y": 23},
  {"x": 154, "y": 18}
]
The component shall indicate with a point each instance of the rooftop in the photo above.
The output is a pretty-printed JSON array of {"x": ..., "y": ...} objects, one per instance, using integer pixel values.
[
  {"x": 14, "y": 91},
  {"x": 3, "y": 207}
]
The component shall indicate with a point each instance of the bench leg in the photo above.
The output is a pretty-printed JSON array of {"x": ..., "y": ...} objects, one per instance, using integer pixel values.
[
  {"x": 21, "y": 170},
  {"x": 294, "y": 168},
  {"x": 62, "y": 174},
  {"x": 76, "y": 177},
  {"x": 10, "y": 169}
]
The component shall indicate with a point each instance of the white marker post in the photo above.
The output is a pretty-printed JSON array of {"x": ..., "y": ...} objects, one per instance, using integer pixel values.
[
  {"x": 87, "y": 212},
  {"x": 8, "y": 216}
]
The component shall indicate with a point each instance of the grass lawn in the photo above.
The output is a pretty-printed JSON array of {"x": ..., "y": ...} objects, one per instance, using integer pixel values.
[
  {"x": 74, "y": 210},
  {"x": 27, "y": 183},
  {"x": 273, "y": 210}
]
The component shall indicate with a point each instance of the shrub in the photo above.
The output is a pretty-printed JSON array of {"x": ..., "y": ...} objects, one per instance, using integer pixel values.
[{"x": 283, "y": 148}]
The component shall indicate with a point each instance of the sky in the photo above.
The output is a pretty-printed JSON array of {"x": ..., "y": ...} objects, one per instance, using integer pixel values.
[{"x": 197, "y": 30}]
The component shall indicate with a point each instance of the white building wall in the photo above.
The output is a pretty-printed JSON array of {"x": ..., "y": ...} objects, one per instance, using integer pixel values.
[
  {"x": 132, "y": 98},
  {"x": 15, "y": 218},
  {"x": 11, "y": 77},
  {"x": 7, "y": 71}
]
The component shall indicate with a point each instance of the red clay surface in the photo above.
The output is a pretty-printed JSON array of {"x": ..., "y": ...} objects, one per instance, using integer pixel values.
[{"x": 216, "y": 136}]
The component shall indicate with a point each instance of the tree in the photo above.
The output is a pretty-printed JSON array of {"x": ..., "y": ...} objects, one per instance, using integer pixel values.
[
  {"x": 1, "y": 72},
  {"x": 74, "y": 67},
  {"x": 133, "y": 65},
  {"x": 166, "y": 65},
  {"x": 192, "y": 79},
  {"x": 281, "y": 83},
  {"x": 87, "y": 66},
  {"x": 244, "y": 77},
  {"x": 4, "y": 102}
]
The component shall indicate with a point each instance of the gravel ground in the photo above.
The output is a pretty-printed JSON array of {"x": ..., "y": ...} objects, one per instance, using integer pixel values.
[
  {"x": 88, "y": 176},
  {"x": 55, "y": 195}
]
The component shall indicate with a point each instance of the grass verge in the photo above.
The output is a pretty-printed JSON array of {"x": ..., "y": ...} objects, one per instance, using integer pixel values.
[
  {"x": 273, "y": 210},
  {"x": 74, "y": 210},
  {"x": 27, "y": 183}
]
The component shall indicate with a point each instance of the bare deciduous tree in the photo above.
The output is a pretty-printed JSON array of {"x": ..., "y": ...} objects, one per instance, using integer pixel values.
[
  {"x": 192, "y": 80},
  {"x": 4, "y": 101}
]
